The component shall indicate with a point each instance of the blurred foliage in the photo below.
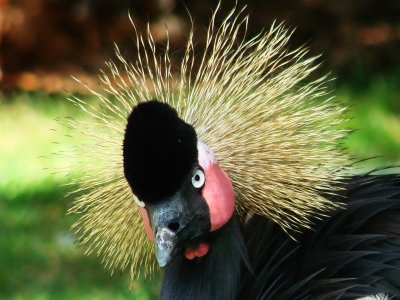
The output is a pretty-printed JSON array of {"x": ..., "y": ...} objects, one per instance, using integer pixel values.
[
  {"x": 42, "y": 41},
  {"x": 39, "y": 257},
  {"x": 374, "y": 100}
]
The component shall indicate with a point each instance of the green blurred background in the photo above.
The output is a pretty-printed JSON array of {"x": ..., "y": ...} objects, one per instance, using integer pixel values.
[{"x": 43, "y": 42}]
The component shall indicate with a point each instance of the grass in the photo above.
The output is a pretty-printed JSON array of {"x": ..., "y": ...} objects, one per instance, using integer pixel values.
[
  {"x": 375, "y": 104},
  {"x": 39, "y": 259}
]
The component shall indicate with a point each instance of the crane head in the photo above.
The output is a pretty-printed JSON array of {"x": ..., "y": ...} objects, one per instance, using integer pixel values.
[{"x": 183, "y": 191}]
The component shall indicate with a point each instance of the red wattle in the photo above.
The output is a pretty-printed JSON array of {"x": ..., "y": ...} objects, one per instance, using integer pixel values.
[
  {"x": 200, "y": 251},
  {"x": 189, "y": 253}
]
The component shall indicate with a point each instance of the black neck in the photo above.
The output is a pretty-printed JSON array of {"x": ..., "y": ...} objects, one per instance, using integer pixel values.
[{"x": 214, "y": 276}]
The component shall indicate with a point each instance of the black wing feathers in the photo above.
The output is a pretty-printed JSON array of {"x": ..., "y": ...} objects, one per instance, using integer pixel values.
[{"x": 354, "y": 253}]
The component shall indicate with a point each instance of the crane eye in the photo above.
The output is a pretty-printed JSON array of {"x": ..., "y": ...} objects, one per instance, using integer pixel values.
[{"x": 198, "y": 179}]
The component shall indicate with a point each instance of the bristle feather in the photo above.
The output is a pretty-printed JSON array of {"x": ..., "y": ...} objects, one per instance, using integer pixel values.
[{"x": 273, "y": 132}]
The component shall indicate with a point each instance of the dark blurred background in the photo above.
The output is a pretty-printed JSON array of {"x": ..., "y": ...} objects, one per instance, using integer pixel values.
[{"x": 44, "y": 42}]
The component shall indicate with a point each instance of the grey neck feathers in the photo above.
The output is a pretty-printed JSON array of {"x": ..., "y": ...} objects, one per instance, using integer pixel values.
[{"x": 214, "y": 276}]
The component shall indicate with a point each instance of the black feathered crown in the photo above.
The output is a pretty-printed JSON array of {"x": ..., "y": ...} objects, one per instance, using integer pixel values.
[{"x": 159, "y": 149}]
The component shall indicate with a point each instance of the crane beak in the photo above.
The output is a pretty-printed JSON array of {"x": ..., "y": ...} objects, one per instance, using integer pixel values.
[
  {"x": 178, "y": 222},
  {"x": 165, "y": 243}
]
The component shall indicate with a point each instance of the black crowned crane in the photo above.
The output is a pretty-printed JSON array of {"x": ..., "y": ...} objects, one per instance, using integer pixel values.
[{"x": 229, "y": 174}]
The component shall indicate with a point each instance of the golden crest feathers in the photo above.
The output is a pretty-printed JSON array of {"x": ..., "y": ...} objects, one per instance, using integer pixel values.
[{"x": 272, "y": 131}]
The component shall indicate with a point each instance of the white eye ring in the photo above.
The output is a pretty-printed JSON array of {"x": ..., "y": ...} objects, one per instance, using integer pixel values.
[
  {"x": 138, "y": 202},
  {"x": 198, "y": 178}
]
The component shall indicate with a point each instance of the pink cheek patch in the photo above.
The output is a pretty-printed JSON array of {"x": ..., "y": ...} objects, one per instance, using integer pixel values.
[
  {"x": 219, "y": 195},
  {"x": 147, "y": 226},
  {"x": 218, "y": 190}
]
